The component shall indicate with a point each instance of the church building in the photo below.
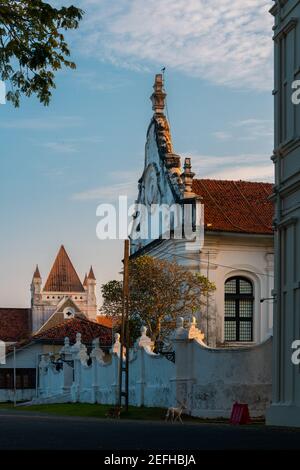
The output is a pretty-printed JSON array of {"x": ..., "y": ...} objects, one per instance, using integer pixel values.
[
  {"x": 236, "y": 251},
  {"x": 63, "y": 294}
]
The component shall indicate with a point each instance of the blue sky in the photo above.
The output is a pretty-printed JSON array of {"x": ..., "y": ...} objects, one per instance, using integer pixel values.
[{"x": 58, "y": 163}]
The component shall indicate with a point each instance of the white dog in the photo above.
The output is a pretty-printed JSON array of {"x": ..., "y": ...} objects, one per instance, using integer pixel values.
[{"x": 174, "y": 414}]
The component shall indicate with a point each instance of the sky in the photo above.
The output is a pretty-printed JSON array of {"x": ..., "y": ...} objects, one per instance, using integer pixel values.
[{"x": 58, "y": 163}]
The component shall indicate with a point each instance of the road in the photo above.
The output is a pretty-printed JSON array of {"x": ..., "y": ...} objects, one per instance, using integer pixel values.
[{"x": 28, "y": 430}]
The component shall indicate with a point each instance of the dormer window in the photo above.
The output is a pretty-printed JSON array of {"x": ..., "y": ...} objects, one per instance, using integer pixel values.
[{"x": 69, "y": 312}]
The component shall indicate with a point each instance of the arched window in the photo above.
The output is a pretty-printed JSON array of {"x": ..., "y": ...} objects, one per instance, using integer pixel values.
[{"x": 238, "y": 309}]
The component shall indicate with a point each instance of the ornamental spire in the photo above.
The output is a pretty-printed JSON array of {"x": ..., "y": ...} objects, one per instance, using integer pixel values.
[
  {"x": 91, "y": 275},
  {"x": 36, "y": 274},
  {"x": 187, "y": 177},
  {"x": 158, "y": 96}
]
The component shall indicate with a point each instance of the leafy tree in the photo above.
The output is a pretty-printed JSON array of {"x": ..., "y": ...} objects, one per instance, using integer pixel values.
[
  {"x": 33, "y": 47},
  {"x": 160, "y": 291}
]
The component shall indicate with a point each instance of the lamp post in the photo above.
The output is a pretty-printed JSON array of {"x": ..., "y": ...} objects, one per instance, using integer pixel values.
[{"x": 15, "y": 378}]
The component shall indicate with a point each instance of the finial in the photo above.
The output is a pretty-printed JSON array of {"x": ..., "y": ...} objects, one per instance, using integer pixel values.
[
  {"x": 187, "y": 177},
  {"x": 78, "y": 337},
  {"x": 91, "y": 274},
  {"x": 159, "y": 95},
  {"x": 36, "y": 274}
]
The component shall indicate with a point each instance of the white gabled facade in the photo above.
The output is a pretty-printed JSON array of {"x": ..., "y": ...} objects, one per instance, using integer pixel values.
[{"x": 218, "y": 254}]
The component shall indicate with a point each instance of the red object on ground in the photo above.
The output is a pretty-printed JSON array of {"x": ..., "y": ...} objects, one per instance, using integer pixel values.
[{"x": 240, "y": 414}]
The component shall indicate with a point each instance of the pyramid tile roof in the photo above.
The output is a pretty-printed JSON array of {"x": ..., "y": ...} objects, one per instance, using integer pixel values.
[{"x": 63, "y": 277}]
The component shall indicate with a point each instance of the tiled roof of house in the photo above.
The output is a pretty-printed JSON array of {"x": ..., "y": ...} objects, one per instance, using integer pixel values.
[
  {"x": 58, "y": 316},
  {"x": 236, "y": 206},
  {"x": 69, "y": 328},
  {"x": 63, "y": 277},
  {"x": 15, "y": 324}
]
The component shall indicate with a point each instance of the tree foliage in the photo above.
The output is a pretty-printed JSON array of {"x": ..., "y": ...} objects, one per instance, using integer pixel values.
[
  {"x": 33, "y": 46},
  {"x": 160, "y": 291}
]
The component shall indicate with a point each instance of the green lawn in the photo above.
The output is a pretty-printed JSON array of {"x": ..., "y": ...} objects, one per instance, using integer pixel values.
[
  {"x": 89, "y": 410},
  {"x": 99, "y": 411}
]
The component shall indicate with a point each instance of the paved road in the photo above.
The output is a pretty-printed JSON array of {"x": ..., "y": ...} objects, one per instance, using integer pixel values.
[{"x": 28, "y": 430}]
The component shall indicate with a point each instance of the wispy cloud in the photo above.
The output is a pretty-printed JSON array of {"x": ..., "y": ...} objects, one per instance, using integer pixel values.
[
  {"x": 60, "y": 147},
  {"x": 248, "y": 129},
  {"x": 249, "y": 167},
  {"x": 71, "y": 145},
  {"x": 255, "y": 128},
  {"x": 49, "y": 123},
  {"x": 222, "y": 135},
  {"x": 223, "y": 41},
  {"x": 248, "y": 173},
  {"x": 123, "y": 183},
  {"x": 105, "y": 83}
]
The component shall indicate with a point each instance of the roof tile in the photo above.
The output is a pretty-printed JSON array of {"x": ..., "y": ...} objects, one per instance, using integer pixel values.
[
  {"x": 236, "y": 206},
  {"x": 63, "y": 277},
  {"x": 69, "y": 328},
  {"x": 15, "y": 324}
]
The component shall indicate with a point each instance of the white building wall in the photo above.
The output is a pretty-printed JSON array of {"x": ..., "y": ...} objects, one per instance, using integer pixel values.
[
  {"x": 208, "y": 380},
  {"x": 251, "y": 256},
  {"x": 28, "y": 357},
  {"x": 229, "y": 255}
]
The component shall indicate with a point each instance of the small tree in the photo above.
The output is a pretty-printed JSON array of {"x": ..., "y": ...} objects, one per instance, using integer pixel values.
[
  {"x": 32, "y": 46},
  {"x": 160, "y": 291}
]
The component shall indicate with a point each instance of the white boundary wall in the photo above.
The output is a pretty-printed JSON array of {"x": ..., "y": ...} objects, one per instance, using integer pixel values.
[{"x": 207, "y": 380}]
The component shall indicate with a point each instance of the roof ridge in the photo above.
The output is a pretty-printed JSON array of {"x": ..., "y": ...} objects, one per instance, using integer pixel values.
[{"x": 262, "y": 183}]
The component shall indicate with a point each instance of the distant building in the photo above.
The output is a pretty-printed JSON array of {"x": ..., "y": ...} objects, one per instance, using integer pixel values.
[
  {"x": 238, "y": 249},
  {"x": 64, "y": 306},
  {"x": 47, "y": 341},
  {"x": 63, "y": 294},
  {"x": 285, "y": 408}
]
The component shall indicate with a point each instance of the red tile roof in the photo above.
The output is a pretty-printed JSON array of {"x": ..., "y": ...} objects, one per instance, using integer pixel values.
[
  {"x": 15, "y": 324},
  {"x": 104, "y": 321},
  {"x": 63, "y": 277},
  {"x": 69, "y": 328},
  {"x": 236, "y": 206}
]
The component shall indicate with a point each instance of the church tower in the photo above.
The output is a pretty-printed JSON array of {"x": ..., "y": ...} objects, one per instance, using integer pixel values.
[
  {"x": 36, "y": 287},
  {"x": 91, "y": 295},
  {"x": 62, "y": 289},
  {"x": 36, "y": 300}
]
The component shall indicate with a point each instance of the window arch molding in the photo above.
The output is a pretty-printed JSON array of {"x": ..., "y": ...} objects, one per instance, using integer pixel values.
[{"x": 241, "y": 306}]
